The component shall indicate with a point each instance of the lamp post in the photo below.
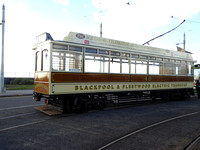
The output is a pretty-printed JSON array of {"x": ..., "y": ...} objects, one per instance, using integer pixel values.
[
  {"x": 2, "y": 52},
  {"x": 184, "y": 42}
]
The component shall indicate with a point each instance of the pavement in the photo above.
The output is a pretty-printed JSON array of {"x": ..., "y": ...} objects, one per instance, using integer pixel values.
[{"x": 10, "y": 93}]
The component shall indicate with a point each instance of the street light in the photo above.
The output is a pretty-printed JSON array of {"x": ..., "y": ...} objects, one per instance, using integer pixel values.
[
  {"x": 2, "y": 52},
  {"x": 184, "y": 42}
]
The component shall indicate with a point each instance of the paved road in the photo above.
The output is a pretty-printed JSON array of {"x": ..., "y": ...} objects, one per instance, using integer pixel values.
[{"x": 23, "y": 127}]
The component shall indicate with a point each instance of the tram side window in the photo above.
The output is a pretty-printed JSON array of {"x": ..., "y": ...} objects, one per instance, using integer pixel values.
[
  {"x": 64, "y": 61},
  {"x": 155, "y": 68},
  {"x": 125, "y": 66},
  {"x": 115, "y": 65},
  {"x": 181, "y": 69},
  {"x": 169, "y": 69},
  {"x": 95, "y": 63},
  {"x": 133, "y": 66},
  {"x": 190, "y": 71},
  {"x": 141, "y": 67}
]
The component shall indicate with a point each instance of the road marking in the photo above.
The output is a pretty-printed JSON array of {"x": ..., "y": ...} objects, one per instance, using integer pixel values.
[
  {"x": 22, "y": 125},
  {"x": 17, "y": 115},
  {"x": 21, "y": 107},
  {"x": 147, "y": 127}
]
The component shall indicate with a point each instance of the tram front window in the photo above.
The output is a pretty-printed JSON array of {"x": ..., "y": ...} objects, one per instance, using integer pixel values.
[{"x": 38, "y": 61}]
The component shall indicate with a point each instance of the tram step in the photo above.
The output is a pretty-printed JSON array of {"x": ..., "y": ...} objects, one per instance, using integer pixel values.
[{"x": 49, "y": 110}]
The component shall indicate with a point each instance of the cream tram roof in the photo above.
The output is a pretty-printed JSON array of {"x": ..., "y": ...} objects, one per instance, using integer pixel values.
[{"x": 124, "y": 46}]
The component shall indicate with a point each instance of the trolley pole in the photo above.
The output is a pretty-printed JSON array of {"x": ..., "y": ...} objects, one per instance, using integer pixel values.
[
  {"x": 101, "y": 30},
  {"x": 2, "y": 52}
]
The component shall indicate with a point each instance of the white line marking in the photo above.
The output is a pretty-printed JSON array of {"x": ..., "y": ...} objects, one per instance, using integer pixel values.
[
  {"x": 21, "y": 107},
  {"x": 27, "y": 124},
  {"x": 147, "y": 127},
  {"x": 17, "y": 115}
]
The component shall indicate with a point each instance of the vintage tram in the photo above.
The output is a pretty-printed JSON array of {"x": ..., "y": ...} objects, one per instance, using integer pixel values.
[{"x": 85, "y": 71}]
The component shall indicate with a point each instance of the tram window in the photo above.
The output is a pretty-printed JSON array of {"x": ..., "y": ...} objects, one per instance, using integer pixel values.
[
  {"x": 73, "y": 62},
  {"x": 141, "y": 67},
  {"x": 105, "y": 52},
  {"x": 67, "y": 62},
  {"x": 133, "y": 66},
  {"x": 45, "y": 60},
  {"x": 181, "y": 69},
  {"x": 189, "y": 69},
  {"x": 159, "y": 59},
  {"x": 155, "y": 68},
  {"x": 166, "y": 59},
  {"x": 56, "y": 46},
  {"x": 172, "y": 60},
  {"x": 169, "y": 69},
  {"x": 74, "y": 48},
  {"x": 143, "y": 57},
  {"x": 125, "y": 66},
  {"x": 96, "y": 64},
  {"x": 89, "y": 50},
  {"x": 125, "y": 55},
  {"x": 38, "y": 61},
  {"x": 115, "y": 53},
  {"x": 152, "y": 58},
  {"x": 115, "y": 65},
  {"x": 134, "y": 56}
]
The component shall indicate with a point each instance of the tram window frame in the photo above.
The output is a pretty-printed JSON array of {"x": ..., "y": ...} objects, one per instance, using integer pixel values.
[
  {"x": 114, "y": 53},
  {"x": 125, "y": 66},
  {"x": 125, "y": 55},
  {"x": 155, "y": 65},
  {"x": 170, "y": 69},
  {"x": 63, "y": 61},
  {"x": 143, "y": 57},
  {"x": 60, "y": 46},
  {"x": 152, "y": 58},
  {"x": 92, "y": 61},
  {"x": 38, "y": 63},
  {"x": 90, "y": 50},
  {"x": 45, "y": 64},
  {"x": 104, "y": 52},
  {"x": 133, "y": 66},
  {"x": 142, "y": 65},
  {"x": 134, "y": 56},
  {"x": 159, "y": 59},
  {"x": 75, "y": 48},
  {"x": 115, "y": 65}
]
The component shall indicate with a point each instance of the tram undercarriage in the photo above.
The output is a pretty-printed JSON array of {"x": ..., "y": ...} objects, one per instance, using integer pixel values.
[{"x": 90, "y": 101}]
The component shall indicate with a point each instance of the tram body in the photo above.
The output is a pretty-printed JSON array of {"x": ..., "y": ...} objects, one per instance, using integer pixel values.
[{"x": 84, "y": 70}]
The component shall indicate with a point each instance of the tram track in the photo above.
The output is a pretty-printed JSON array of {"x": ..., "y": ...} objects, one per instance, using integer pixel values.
[
  {"x": 132, "y": 133},
  {"x": 194, "y": 145}
]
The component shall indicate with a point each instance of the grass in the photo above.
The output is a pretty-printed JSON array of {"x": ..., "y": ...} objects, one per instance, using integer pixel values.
[{"x": 18, "y": 87}]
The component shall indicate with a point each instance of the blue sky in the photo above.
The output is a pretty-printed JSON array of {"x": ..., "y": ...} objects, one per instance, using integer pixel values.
[{"x": 138, "y": 22}]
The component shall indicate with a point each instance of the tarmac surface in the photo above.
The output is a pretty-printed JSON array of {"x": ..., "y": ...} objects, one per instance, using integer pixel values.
[{"x": 10, "y": 93}]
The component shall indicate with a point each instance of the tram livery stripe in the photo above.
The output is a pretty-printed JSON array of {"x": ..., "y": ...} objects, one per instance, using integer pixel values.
[{"x": 60, "y": 77}]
